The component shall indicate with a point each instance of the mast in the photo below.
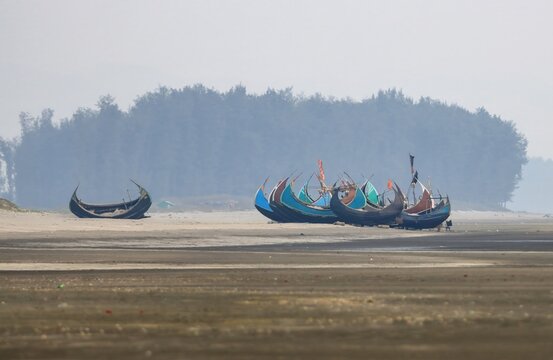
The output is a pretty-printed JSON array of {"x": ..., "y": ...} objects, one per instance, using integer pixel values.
[{"x": 413, "y": 180}]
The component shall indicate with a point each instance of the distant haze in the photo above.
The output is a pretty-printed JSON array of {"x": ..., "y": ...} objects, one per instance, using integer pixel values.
[
  {"x": 534, "y": 192},
  {"x": 495, "y": 54}
]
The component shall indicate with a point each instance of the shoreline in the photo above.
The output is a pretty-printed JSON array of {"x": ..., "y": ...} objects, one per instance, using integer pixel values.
[{"x": 232, "y": 286}]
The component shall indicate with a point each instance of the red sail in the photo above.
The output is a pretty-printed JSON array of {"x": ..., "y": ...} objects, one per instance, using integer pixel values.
[{"x": 321, "y": 171}]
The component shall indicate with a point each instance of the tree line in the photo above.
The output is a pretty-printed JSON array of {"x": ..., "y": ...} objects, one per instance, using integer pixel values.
[{"x": 197, "y": 141}]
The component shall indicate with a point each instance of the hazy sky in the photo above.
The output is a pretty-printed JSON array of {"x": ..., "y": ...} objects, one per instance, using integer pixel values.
[{"x": 495, "y": 54}]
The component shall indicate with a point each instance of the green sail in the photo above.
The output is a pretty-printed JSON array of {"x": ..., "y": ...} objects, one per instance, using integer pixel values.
[{"x": 371, "y": 193}]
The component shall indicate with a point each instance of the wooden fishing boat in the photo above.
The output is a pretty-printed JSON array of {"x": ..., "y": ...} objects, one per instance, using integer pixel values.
[
  {"x": 368, "y": 215},
  {"x": 133, "y": 209},
  {"x": 304, "y": 212},
  {"x": 290, "y": 208},
  {"x": 426, "y": 219},
  {"x": 262, "y": 205},
  {"x": 276, "y": 204},
  {"x": 425, "y": 213}
]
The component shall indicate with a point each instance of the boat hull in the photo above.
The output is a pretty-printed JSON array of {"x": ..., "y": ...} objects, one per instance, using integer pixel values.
[
  {"x": 368, "y": 216},
  {"x": 426, "y": 220},
  {"x": 134, "y": 209}
]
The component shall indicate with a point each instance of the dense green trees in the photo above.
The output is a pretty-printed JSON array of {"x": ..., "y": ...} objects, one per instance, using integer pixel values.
[{"x": 195, "y": 141}]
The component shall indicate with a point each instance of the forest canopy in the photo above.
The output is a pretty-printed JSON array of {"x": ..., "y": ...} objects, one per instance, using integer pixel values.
[{"x": 197, "y": 141}]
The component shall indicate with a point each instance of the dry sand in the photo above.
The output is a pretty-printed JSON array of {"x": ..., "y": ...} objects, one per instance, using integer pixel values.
[{"x": 231, "y": 285}]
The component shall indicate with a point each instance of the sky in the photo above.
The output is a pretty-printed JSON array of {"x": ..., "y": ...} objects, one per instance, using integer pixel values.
[{"x": 493, "y": 54}]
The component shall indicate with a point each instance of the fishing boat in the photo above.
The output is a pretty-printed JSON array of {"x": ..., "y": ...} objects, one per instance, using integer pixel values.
[
  {"x": 424, "y": 213},
  {"x": 276, "y": 204},
  {"x": 262, "y": 205},
  {"x": 133, "y": 209},
  {"x": 426, "y": 219},
  {"x": 310, "y": 212},
  {"x": 368, "y": 215}
]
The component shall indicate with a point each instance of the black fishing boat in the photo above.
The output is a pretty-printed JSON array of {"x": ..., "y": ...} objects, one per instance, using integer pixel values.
[
  {"x": 426, "y": 219},
  {"x": 133, "y": 209},
  {"x": 426, "y": 213},
  {"x": 369, "y": 215}
]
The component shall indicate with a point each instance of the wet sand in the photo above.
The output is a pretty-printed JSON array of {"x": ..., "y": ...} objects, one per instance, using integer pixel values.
[{"x": 230, "y": 285}]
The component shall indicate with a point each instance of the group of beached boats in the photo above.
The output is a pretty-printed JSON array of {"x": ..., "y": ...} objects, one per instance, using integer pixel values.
[
  {"x": 352, "y": 203},
  {"x": 345, "y": 201}
]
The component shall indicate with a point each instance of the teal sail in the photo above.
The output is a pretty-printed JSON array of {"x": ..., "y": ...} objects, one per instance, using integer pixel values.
[
  {"x": 323, "y": 200},
  {"x": 370, "y": 193},
  {"x": 359, "y": 201},
  {"x": 303, "y": 196}
]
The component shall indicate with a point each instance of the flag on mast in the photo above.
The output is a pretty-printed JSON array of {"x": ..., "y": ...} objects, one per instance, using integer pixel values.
[
  {"x": 412, "y": 159},
  {"x": 415, "y": 178}
]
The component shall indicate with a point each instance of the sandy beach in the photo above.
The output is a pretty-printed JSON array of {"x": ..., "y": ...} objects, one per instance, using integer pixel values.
[{"x": 231, "y": 285}]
